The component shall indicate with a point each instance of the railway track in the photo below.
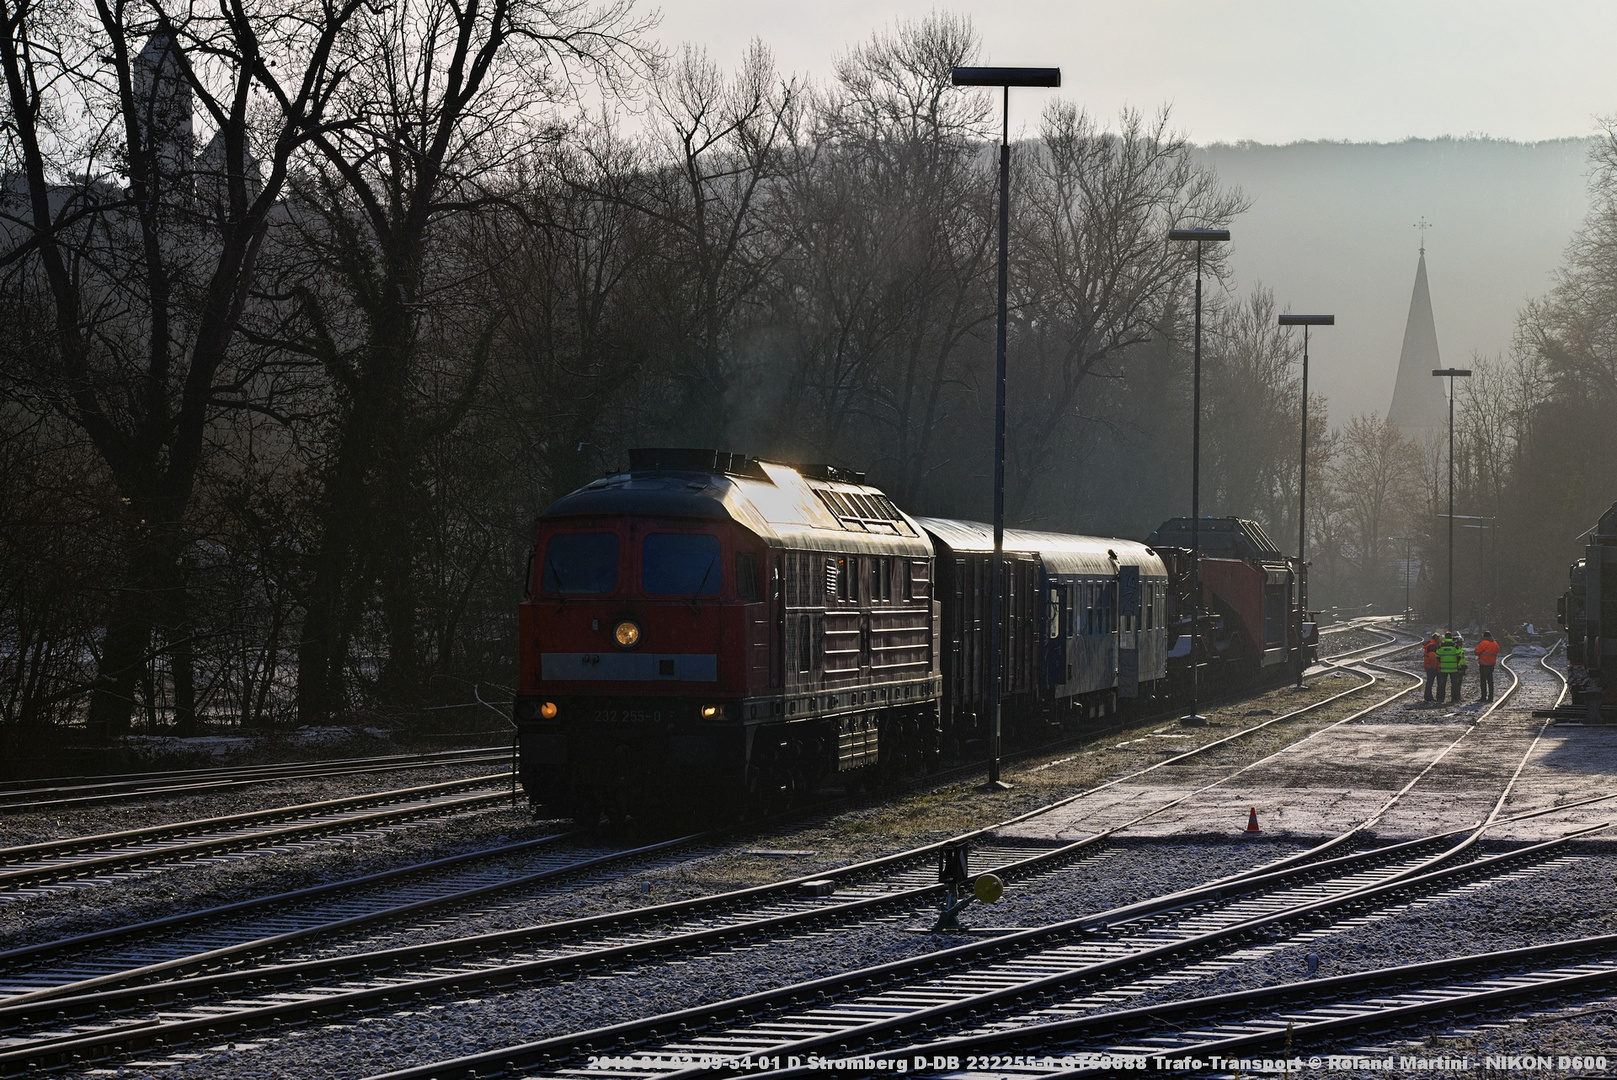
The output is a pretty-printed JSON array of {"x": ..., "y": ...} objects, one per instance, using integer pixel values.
[
  {"x": 26, "y": 868},
  {"x": 918, "y": 1001},
  {"x": 256, "y": 999},
  {"x": 269, "y": 922},
  {"x": 252, "y": 930},
  {"x": 60, "y": 793},
  {"x": 1287, "y": 1020},
  {"x": 853, "y": 1005},
  {"x": 1073, "y": 1036},
  {"x": 111, "y": 982},
  {"x": 896, "y": 883}
]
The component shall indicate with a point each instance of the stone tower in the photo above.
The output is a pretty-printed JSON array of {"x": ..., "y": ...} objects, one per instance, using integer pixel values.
[
  {"x": 1420, "y": 409},
  {"x": 163, "y": 97}
]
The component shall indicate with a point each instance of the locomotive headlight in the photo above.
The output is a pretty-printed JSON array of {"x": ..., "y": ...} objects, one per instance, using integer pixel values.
[
  {"x": 712, "y": 712},
  {"x": 627, "y": 633},
  {"x": 548, "y": 710}
]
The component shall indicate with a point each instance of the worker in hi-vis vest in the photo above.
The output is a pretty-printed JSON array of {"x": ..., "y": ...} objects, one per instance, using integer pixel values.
[
  {"x": 1487, "y": 656},
  {"x": 1450, "y": 657},
  {"x": 1431, "y": 663}
]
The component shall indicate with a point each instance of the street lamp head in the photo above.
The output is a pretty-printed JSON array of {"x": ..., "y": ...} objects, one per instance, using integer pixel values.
[
  {"x": 1308, "y": 320},
  {"x": 1005, "y": 76},
  {"x": 1198, "y": 234},
  {"x": 1452, "y": 372}
]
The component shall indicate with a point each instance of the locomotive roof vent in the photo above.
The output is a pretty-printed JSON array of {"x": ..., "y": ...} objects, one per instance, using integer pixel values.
[
  {"x": 834, "y": 473},
  {"x": 682, "y": 459}
]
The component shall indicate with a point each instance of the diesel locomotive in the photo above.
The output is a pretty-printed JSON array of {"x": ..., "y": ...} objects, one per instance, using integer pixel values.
[
  {"x": 1588, "y": 613},
  {"x": 710, "y": 635}
]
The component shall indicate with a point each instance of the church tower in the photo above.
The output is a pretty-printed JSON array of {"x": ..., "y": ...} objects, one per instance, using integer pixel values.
[{"x": 1420, "y": 409}]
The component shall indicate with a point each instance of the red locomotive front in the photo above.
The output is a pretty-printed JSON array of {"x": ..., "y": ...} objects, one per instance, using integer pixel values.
[{"x": 666, "y": 665}]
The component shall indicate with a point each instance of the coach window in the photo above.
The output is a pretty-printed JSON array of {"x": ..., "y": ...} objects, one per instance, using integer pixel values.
[
  {"x": 681, "y": 564},
  {"x": 580, "y": 563}
]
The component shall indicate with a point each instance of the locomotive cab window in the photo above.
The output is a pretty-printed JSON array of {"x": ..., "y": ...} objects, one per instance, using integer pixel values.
[
  {"x": 746, "y": 575},
  {"x": 681, "y": 564},
  {"x": 845, "y": 571},
  {"x": 580, "y": 564}
]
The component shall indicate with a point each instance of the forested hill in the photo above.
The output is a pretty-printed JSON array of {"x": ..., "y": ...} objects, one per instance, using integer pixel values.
[{"x": 1331, "y": 229}]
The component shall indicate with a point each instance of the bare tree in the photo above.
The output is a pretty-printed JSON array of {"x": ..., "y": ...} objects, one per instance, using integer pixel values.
[
  {"x": 719, "y": 145},
  {"x": 1376, "y": 474},
  {"x": 1095, "y": 268},
  {"x": 1252, "y": 402},
  {"x": 145, "y": 253},
  {"x": 447, "y": 99},
  {"x": 891, "y": 229},
  {"x": 578, "y": 350}
]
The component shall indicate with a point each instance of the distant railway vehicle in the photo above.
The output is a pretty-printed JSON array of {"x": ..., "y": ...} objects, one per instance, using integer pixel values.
[
  {"x": 1588, "y": 612},
  {"x": 1249, "y": 619},
  {"x": 710, "y": 635}
]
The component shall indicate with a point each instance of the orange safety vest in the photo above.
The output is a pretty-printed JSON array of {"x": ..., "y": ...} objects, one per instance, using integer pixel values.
[
  {"x": 1431, "y": 655},
  {"x": 1487, "y": 651}
]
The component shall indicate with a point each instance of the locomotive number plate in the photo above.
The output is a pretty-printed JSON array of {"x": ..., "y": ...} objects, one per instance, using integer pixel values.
[{"x": 627, "y": 716}]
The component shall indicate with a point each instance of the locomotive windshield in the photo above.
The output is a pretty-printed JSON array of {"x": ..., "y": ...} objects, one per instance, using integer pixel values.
[
  {"x": 680, "y": 564},
  {"x": 581, "y": 563}
]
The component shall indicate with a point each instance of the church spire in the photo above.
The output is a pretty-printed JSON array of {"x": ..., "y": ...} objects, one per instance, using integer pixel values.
[{"x": 1419, "y": 409}]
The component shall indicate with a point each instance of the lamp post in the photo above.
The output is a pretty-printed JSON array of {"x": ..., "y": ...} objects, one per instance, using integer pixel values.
[
  {"x": 1451, "y": 373},
  {"x": 1200, "y": 236},
  {"x": 1304, "y": 321},
  {"x": 1004, "y": 78}
]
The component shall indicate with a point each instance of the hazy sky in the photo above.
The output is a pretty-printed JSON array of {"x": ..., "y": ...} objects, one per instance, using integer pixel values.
[
  {"x": 1329, "y": 228},
  {"x": 1271, "y": 71}
]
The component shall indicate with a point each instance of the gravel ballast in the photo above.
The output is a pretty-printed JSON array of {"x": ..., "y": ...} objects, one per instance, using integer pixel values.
[
  {"x": 18, "y": 827},
  {"x": 1571, "y": 899},
  {"x": 1128, "y": 873}
]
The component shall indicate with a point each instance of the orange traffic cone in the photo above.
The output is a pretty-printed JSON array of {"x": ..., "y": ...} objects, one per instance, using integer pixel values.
[{"x": 1252, "y": 821}]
